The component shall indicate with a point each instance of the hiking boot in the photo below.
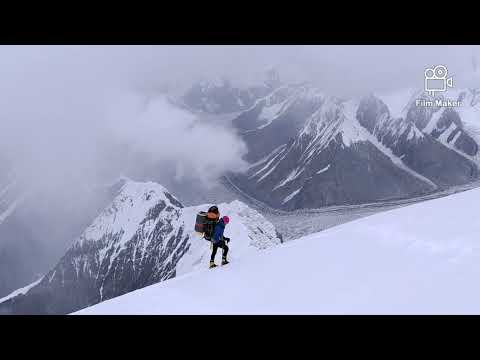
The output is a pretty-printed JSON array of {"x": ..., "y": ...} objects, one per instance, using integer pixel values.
[
  {"x": 212, "y": 264},
  {"x": 225, "y": 261}
]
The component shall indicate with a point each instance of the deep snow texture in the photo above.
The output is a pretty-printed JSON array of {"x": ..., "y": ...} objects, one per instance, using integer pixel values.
[{"x": 419, "y": 259}]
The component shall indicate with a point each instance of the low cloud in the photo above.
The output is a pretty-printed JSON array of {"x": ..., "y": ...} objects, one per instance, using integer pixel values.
[
  {"x": 73, "y": 116},
  {"x": 170, "y": 139}
]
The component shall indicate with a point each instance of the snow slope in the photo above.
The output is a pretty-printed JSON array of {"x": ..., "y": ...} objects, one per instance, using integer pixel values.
[
  {"x": 422, "y": 258},
  {"x": 248, "y": 230}
]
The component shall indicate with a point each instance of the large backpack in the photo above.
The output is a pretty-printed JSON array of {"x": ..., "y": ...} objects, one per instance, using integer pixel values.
[{"x": 205, "y": 223}]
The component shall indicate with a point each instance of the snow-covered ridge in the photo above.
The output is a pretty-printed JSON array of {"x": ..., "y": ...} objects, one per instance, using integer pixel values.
[
  {"x": 396, "y": 159},
  {"x": 128, "y": 209},
  {"x": 144, "y": 236},
  {"x": 131, "y": 209},
  {"x": 334, "y": 117},
  {"x": 248, "y": 230},
  {"x": 280, "y": 100},
  {"x": 355, "y": 125},
  {"x": 396, "y": 262},
  {"x": 290, "y": 95}
]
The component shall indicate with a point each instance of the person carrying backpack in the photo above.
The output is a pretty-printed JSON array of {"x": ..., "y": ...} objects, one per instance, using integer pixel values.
[
  {"x": 220, "y": 241},
  {"x": 211, "y": 227},
  {"x": 209, "y": 222}
]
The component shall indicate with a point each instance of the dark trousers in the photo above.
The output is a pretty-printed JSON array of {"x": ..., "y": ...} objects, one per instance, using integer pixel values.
[{"x": 221, "y": 244}]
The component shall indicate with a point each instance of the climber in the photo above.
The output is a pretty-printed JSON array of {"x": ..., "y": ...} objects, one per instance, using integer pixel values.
[{"x": 218, "y": 240}]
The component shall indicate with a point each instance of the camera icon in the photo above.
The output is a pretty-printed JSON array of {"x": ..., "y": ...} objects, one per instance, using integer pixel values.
[{"x": 436, "y": 80}]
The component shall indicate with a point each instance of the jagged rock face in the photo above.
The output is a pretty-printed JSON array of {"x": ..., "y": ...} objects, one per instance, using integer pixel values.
[
  {"x": 446, "y": 124},
  {"x": 463, "y": 142},
  {"x": 420, "y": 115},
  {"x": 343, "y": 152},
  {"x": 276, "y": 119},
  {"x": 417, "y": 150},
  {"x": 253, "y": 118},
  {"x": 134, "y": 243},
  {"x": 370, "y": 111},
  {"x": 337, "y": 175},
  {"x": 330, "y": 162},
  {"x": 356, "y": 175}
]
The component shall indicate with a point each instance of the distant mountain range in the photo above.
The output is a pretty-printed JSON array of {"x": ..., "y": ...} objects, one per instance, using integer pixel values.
[
  {"x": 220, "y": 96},
  {"x": 308, "y": 149}
]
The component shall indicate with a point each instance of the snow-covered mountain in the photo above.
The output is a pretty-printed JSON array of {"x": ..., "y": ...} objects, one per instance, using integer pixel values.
[
  {"x": 221, "y": 97},
  {"x": 457, "y": 128},
  {"x": 419, "y": 259},
  {"x": 273, "y": 120},
  {"x": 332, "y": 160},
  {"x": 309, "y": 150},
  {"x": 418, "y": 148},
  {"x": 143, "y": 237}
]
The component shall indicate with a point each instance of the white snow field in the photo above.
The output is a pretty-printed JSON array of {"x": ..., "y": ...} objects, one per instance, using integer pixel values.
[{"x": 419, "y": 259}]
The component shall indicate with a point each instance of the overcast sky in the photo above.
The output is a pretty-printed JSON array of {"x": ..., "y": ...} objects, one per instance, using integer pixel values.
[
  {"x": 65, "y": 109},
  {"x": 337, "y": 69},
  {"x": 343, "y": 69}
]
